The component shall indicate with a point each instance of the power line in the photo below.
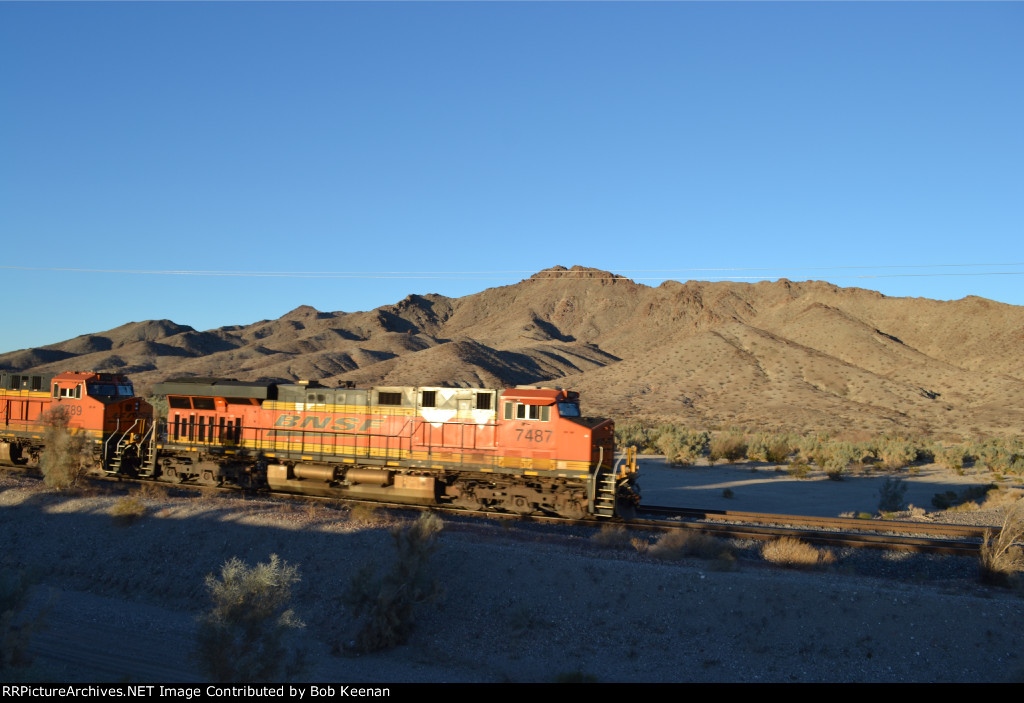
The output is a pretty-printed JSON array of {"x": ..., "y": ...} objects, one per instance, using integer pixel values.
[{"x": 776, "y": 272}]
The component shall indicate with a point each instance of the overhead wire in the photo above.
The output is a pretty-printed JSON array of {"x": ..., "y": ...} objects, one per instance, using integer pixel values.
[{"x": 773, "y": 272}]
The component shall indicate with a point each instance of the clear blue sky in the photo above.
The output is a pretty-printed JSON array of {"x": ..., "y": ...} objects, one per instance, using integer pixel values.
[{"x": 496, "y": 139}]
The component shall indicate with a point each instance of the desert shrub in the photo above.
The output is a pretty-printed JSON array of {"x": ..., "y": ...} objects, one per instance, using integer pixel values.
[
  {"x": 996, "y": 497},
  {"x": 67, "y": 456},
  {"x": 681, "y": 446},
  {"x": 890, "y": 495},
  {"x": 799, "y": 469},
  {"x": 808, "y": 445},
  {"x": 791, "y": 552},
  {"x": 728, "y": 447},
  {"x": 895, "y": 452},
  {"x": 770, "y": 448},
  {"x": 950, "y": 457},
  {"x": 683, "y": 543},
  {"x": 634, "y": 433},
  {"x": 1001, "y": 558},
  {"x": 127, "y": 510},
  {"x": 950, "y": 499},
  {"x": 364, "y": 514},
  {"x": 154, "y": 490},
  {"x": 834, "y": 458},
  {"x": 246, "y": 635},
  {"x": 993, "y": 456},
  {"x": 387, "y": 602},
  {"x": 612, "y": 537}
]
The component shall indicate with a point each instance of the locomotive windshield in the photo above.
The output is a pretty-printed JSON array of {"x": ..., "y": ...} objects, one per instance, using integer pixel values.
[
  {"x": 569, "y": 409},
  {"x": 117, "y": 390}
]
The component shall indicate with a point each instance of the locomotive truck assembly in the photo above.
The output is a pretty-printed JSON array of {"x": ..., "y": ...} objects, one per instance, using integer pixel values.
[{"x": 522, "y": 450}]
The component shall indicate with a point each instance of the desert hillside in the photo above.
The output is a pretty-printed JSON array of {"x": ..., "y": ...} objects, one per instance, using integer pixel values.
[{"x": 772, "y": 355}]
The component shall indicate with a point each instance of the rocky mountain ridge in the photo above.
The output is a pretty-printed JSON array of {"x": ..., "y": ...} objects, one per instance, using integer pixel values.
[{"x": 773, "y": 355}]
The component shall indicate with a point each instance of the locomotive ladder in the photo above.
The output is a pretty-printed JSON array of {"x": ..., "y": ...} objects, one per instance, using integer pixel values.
[
  {"x": 147, "y": 456},
  {"x": 603, "y": 489}
]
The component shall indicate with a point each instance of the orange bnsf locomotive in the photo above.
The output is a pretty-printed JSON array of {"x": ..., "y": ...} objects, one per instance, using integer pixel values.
[
  {"x": 100, "y": 406},
  {"x": 523, "y": 450}
]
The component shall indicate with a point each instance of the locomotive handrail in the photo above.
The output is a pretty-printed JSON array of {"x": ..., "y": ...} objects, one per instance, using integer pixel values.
[
  {"x": 595, "y": 480},
  {"x": 116, "y": 428}
]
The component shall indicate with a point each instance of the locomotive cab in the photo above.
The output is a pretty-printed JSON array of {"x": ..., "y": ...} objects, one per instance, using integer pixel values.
[{"x": 99, "y": 406}]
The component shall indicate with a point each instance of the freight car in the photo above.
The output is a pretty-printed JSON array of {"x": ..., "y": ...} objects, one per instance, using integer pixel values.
[
  {"x": 522, "y": 450},
  {"x": 100, "y": 406}
]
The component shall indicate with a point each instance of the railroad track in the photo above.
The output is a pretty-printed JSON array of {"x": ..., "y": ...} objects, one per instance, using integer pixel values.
[{"x": 932, "y": 538}]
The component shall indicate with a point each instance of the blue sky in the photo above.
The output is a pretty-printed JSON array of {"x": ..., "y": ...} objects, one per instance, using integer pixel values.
[{"x": 877, "y": 145}]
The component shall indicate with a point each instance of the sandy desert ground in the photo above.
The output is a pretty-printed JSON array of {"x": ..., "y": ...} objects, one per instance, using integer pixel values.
[{"x": 520, "y": 604}]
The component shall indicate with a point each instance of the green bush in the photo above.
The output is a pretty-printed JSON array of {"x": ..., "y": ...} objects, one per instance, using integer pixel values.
[
  {"x": 246, "y": 636},
  {"x": 387, "y": 602}
]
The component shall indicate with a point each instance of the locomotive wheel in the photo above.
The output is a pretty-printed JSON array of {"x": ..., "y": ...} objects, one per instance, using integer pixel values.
[
  {"x": 519, "y": 505},
  {"x": 10, "y": 454},
  {"x": 573, "y": 511}
]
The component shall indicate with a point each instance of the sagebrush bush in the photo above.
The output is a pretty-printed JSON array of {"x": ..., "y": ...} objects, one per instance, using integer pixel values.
[
  {"x": 682, "y": 543},
  {"x": 67, "y": 455},
  {"x": 364, "y": 514},
  {"x": 770, "y": 448},
  {"x": 996, "y": 497},
  {"x": 613, "y": 537},
  {"x": 247, "y": 635},
  {"x": 895, "y": 452},
  {"x": 633, "y": 433},
  {"x": 127, "y": 510},
  {"x": 952, "y": 458},
  {"x": 799, "y": 469},
  {"x": 952, "y": 499},
  {"x": 681, "y": 446},
  {"x": 1001, "y": 558},
  {"x": 387, "y": 602},
  {"x": 791, "y": 552},
  {"x": 727, "y": 447},
  {"x": 1000, "y": 455}
]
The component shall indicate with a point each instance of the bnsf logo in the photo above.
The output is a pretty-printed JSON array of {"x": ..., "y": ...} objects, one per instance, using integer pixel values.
[{"x": 339, "y": 424}]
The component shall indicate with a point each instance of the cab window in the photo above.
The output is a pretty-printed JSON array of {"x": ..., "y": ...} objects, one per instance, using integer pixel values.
[{"x": 522, "y": 411}]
